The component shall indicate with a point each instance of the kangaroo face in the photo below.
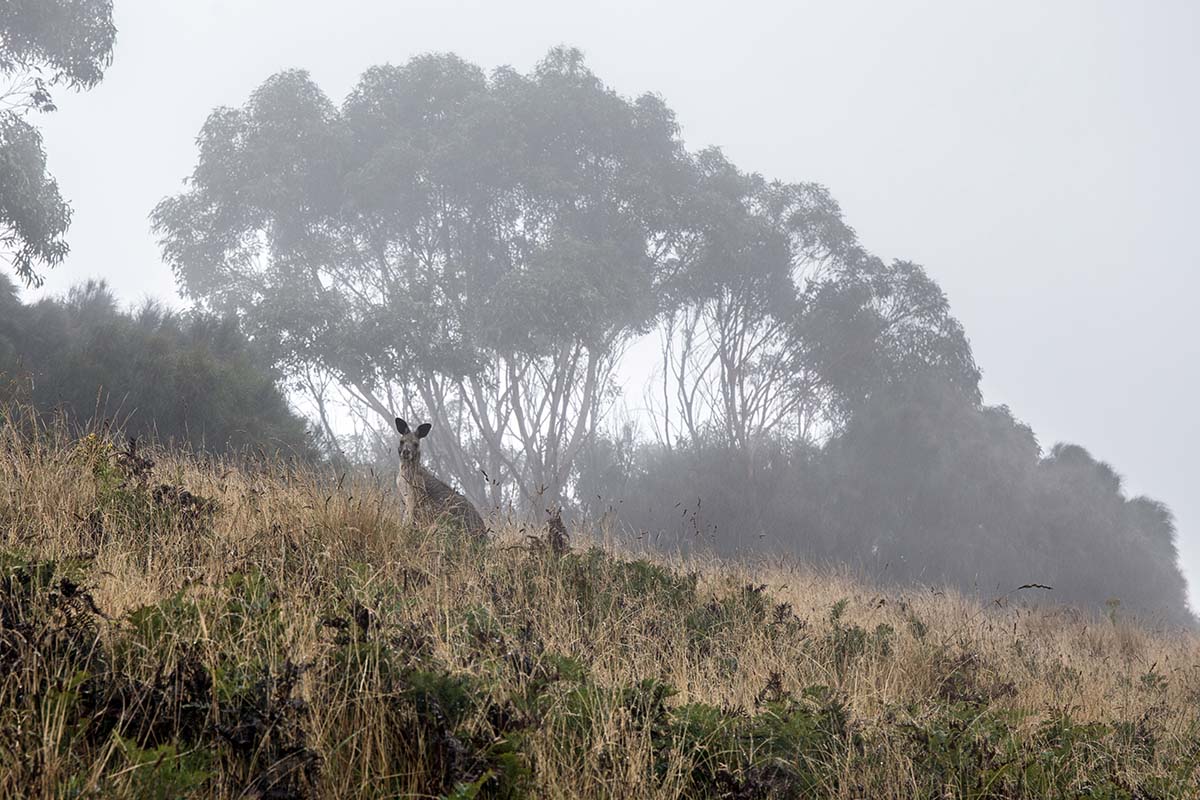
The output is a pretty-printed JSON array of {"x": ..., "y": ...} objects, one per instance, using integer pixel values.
[{"x": 410, "y": 441}]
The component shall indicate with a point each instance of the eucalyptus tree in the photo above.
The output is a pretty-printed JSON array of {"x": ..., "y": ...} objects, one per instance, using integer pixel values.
[
  {"x": 729, "y": 365},
  {"x": 780, "y": 324},
  {"x": 876, "y": 327},
  {"x": 44, "y": 44},
  {"x": 482, "y": 247}
]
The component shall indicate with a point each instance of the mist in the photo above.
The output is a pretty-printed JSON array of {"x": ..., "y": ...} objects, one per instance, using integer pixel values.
[{"x": 834, "y": 282}]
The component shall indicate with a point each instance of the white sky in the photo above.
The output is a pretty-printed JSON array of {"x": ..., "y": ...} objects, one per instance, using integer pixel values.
[{"x": 1038, "y": 158}]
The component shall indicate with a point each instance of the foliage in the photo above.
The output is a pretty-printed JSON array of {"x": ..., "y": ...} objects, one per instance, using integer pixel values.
[
  {"x": 188, "y": 378},
  {"x": 33, "y": 216},
  {"x": 69, "y": 39},
  {"x": 779, "y": 325},
  {"x": 939, "y": 489},
  {"x": 925, "y": 486},
  {"x": 43, "y": 43}
]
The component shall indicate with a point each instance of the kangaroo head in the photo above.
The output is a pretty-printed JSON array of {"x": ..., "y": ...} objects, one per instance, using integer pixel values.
[{"x": 410, "y": 441}]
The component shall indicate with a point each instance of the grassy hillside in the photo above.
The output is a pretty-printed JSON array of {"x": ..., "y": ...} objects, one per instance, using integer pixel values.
[{"x": 189, "y": 628}]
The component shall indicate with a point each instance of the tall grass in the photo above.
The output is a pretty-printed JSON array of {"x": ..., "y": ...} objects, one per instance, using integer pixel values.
[{"x": 178, "y": 626}]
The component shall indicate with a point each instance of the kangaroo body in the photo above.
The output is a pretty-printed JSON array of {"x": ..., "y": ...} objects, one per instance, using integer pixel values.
[{"x": 426, "y": 498}]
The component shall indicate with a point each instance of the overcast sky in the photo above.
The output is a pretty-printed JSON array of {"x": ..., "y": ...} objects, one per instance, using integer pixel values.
[{"x": 1039, "y": 158}]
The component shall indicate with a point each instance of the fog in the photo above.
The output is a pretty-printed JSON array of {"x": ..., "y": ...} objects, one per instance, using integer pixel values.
[{"x": 1038, "y": 162}]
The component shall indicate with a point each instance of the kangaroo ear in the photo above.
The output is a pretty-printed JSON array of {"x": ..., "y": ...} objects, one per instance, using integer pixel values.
[
  {"x": 401, "y": 426},
  {"x": 423, "y": 430}
]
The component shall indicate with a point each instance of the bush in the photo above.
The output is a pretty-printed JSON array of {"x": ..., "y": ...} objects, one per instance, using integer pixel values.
[{"x": 191, "y": 379}]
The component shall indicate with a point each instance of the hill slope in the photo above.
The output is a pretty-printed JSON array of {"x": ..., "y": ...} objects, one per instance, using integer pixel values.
[{"x": 190, "y": 628}]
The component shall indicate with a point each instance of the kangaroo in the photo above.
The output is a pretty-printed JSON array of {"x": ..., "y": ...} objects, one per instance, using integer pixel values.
[{"x": 426, "y": 498}]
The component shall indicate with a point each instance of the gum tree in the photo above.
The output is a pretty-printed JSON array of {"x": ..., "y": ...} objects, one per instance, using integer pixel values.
[
  {"x": 478, "y": 247},
  {"x": 44, "y": 44},
  {"x": 779, "y": 324}
]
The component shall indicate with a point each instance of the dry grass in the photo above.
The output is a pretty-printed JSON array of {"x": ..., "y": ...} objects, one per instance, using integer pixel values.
[{"x": 294, "y": 640}]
